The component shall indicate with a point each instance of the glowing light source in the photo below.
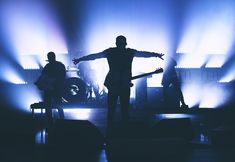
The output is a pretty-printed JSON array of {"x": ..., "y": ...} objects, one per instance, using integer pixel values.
[
  {"x": 108, "y": 40},
  {"x": 40, "y": 137},
  {"x": 217, "y": 38},
  {"x": 78, "y": 113},
  {"x": 28, "y": 62},
  {"x": 14, "y": 78},
  {"x": 10, "y": 75},
  {"x": 31, "y": 28},
  {"x": 227, "y": 78},
  {"x": 229, "y": 75},
  {"x": 155, "y": 81},
  {"x": 215, "y": 61},
  {"x": 172, "y": 116},
  {"x": 38, "y": 111},
  {"x": 192, "y": 93},
  {"x": 191, "y": 61},
  {"x": 99, "y": 69},
  {"x": 207, "y": 31},
  {"x": 213, "y": 96},
  {"x": 107, "y": 17},
  {"x": 205, "y": 95},
  {"x": 24, "y": 96}
]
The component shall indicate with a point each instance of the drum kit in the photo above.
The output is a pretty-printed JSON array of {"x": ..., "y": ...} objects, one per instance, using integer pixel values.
[{"x": 81, "y": 89}]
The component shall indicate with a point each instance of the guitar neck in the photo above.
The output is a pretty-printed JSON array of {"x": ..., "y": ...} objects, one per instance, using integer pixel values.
[{"x": 146, "y": 74}]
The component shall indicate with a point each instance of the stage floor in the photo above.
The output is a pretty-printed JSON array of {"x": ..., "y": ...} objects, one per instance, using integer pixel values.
[
  {"x": 202, "y": 147},
  {"x": 202, "y": 121}
]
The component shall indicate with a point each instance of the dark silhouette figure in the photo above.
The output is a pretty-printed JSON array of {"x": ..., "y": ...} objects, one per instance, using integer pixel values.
[
  {"x": 170, "y": 79},
  {"x": 51, "y": 82},
  {"x": 118, "y": 79}
]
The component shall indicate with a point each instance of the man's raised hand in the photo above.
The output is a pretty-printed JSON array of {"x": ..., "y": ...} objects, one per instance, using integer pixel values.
[
  {"x": 160, "y": 55},
  {"x": 76, "y": 61}
]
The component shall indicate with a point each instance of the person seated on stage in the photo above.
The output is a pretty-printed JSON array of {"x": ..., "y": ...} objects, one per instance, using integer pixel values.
[
  {"x": 51, "y": 82},
  {"x": 170, "y": 78},
  {"x": 118, "y": 79}
]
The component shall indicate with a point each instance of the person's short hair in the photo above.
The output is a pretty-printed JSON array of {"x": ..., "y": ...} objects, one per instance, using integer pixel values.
[
  {"x": 51, "y": 55},
  {"x": 121, "y": 40}
]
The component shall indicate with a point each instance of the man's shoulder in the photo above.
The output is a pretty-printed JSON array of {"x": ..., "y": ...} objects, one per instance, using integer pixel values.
[
  {"x": 47, "y": 66},
  {"x": 110, "y": 49},
  {"x": 131, "y": 49},
  {"x": 60, "y": 64},
  {"x": 115, "y": 48}
]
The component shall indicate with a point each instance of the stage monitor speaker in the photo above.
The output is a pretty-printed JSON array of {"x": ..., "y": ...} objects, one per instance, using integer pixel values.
[
  {"x": 223, "y": 136},
  {"x": 17, "y": 131},
  {"x": 75, "y": 134},
  {"x": 130, "y": 130},
  {"x": 147, "y": 149},
  {"x": 173, "y": 128}
]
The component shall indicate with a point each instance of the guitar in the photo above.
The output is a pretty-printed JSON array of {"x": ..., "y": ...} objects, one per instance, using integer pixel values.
[
  {"x": 45, "y": 83},
  {"x": 113, "y": 80},
  {"x": 158, "y": 70}
]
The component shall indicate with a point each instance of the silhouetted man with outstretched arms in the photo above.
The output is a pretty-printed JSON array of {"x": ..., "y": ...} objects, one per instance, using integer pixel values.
[{"x": 118, "y": 79}]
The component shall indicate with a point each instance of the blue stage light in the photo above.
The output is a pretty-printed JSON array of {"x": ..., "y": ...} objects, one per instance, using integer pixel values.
[
  {"x": 28, "y": 62},
  {"x": 215, "y": 61},
  {"x": 202, "y": 28},
  {"x": 22, "y": 96},
  {"x": 30, "y": 27},
  {"x": 228, "y": 76},
  {"x": 77, "y": 113},
  {"x": 209, "y": 27},
  {"x": 192, "y": 93},
  {"x": 173, "y": 116},
  {"x": 10, "y": 74},
  {"x": 213, "y": 96},
  {"x": 191, "y": 61}
]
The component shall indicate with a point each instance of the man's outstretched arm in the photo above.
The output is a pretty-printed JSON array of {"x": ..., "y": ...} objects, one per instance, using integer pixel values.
[
  {"x": 148, "y": 54},
  {"x": 89, "y": 57}
]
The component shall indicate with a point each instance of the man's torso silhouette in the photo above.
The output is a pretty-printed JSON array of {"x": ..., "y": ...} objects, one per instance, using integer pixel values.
[
  {"x": 170, "y": 74},
  {"x": 54, "y": 70},
  {"x": 120, "y": 65}
]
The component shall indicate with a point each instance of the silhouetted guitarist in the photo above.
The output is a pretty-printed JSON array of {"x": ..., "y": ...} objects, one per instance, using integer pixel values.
[
  {"x": 51, "y": 82},
  {"x": 170, "y": 78},
  {"x": 118, "y": 79}
]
